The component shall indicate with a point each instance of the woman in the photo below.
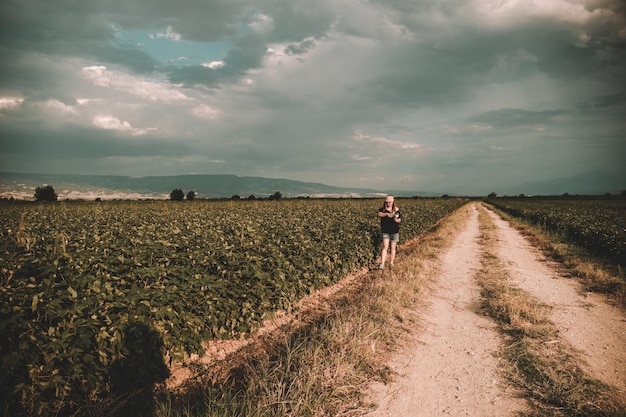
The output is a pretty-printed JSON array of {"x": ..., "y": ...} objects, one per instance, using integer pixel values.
[{"x": 390, "y": 219}]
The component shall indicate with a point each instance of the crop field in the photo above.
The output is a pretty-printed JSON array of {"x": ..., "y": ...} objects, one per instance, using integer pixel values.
[
  {"x": 88, "y": 287},
  {"x": 596, "y": 224}
]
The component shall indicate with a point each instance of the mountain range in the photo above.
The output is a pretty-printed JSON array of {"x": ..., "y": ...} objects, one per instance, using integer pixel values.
[
  {"x": 69, "y": 186},
  {"x": 588, "y": 183},
  {"x": 22, "y": 186}
]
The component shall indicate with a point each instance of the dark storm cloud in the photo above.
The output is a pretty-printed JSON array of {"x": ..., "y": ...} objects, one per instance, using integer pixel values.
[
  {"x": 508, "y": 118},
  {"x": 79, "y": 142},
  {"x": 617, "y": 100},
  {"x": 300, "y": 48},
  {"x": 202, "y": 21}
]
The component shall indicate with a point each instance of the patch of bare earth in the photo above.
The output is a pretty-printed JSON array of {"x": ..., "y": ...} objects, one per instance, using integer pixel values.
[{"x": 450, "y": 366}]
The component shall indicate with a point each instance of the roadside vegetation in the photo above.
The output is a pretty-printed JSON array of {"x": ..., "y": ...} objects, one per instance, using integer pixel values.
[{"x": 547, "y": 371}]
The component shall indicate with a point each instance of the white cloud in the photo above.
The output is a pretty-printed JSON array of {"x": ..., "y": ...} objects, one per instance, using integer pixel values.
[
  {"x": 501, "y": 12},
  {"x": 477, "y": 129},
  {"x": 10, "y": 102},
  {"x": 59, "y": 106},
  {"x": 204, "y": 111},
  {"x": 86, "y": 101},
  {"x": 109, "y": 122},
  {"x": 135, "y": 85},
  {"x": 386, "y": 143},
  {"x": 213, "y": 64},
  {"x": 168, "y": 34},
  {"x": 377, "y": 21},
  {"x": 262, "y": 23},
  {"x": 99, "y": 74}
]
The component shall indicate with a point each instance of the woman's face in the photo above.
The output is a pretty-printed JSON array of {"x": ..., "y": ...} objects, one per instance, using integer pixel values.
[{"x": 389, "y": 203}]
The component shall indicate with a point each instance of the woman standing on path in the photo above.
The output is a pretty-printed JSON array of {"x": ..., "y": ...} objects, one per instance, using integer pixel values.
[{"x": 390, "y": 219}]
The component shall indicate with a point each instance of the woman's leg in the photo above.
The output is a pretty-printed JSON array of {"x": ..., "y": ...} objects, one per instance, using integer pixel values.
[
  {"x": 392, "y": 257},
  {"x": 383, "y": 255}
]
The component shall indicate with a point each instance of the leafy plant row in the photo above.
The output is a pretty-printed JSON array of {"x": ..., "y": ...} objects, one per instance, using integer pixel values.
[
  {"x": 598, "y": 224},
  {"x": 88, "y": 287}
]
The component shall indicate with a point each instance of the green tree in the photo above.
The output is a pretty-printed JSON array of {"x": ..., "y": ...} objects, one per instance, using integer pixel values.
[
  {"x": 276, "y": 196},
  {"x": 191, "y": 195},
  {"x": 45, "y": 193},
  {"x": 177, "y": 195}
]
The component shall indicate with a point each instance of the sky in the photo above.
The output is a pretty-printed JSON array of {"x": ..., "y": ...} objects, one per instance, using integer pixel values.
[{"x": 457, "y": 96}]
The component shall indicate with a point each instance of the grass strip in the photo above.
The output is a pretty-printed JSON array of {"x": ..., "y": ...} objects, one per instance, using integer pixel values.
[{"x": 542, "y": 364}]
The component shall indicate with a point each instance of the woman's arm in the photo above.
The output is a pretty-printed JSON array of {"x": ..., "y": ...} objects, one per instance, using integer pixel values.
[{"x": 384, "y": 214}]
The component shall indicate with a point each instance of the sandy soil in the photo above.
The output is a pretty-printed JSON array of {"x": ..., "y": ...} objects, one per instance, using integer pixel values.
[{"x": 449, "y": 367}]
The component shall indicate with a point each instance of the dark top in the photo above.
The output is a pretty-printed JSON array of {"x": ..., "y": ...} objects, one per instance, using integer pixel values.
[{"x": 387, "y": 224}]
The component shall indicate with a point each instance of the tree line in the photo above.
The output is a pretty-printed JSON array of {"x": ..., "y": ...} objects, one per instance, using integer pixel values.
[{"x": 47, "y": 193}]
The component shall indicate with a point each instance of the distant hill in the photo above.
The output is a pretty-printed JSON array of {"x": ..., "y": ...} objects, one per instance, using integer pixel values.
[
  {"x": 22, "y": 186},
  {"x": 588, "y": 183}
]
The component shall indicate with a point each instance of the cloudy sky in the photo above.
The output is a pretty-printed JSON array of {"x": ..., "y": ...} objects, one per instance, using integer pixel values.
[{"x": 445, "y": 96}]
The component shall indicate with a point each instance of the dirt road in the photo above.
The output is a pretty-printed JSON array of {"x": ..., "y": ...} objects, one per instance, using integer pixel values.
[{"x": 450, "y": 366}]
